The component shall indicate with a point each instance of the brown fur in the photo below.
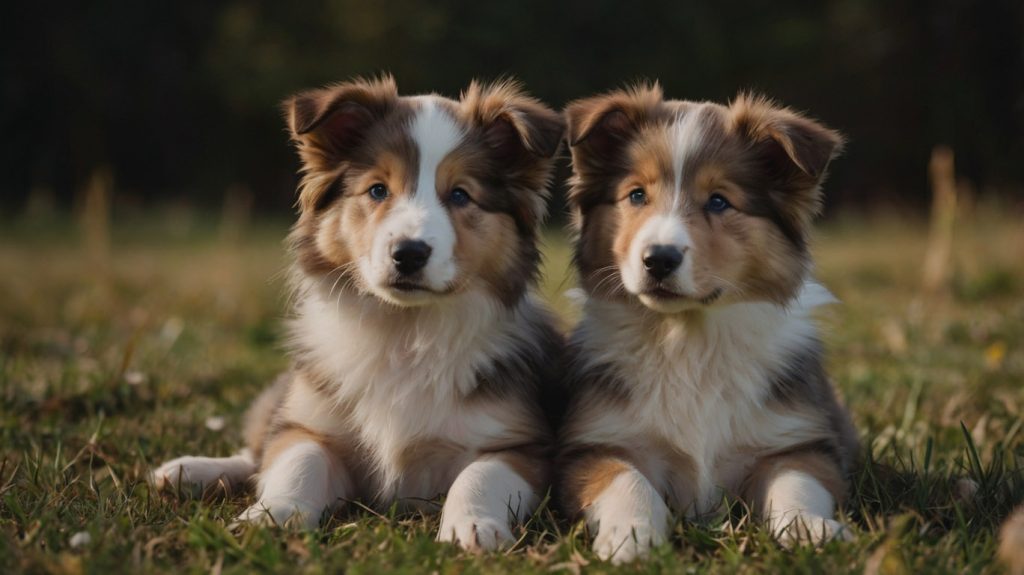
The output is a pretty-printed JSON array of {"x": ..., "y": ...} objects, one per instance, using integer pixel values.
[
  {"x": 766, "y": 160},
  {"x": 350, "y": 136},
  {"x": 353, "y": 135},
  {"x": 814, "y": 463},
  {"x": 259, "y": 417}
]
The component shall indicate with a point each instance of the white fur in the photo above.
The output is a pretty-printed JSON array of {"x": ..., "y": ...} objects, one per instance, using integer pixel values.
[
  {"x": 301, "y": 483},
  {"x": 629, "y": 517},
  {"x": 799, "y": 508},
  {"x": 420, "y": 215},
  {"x": 669, "y": 227},
  {"x": 485, "y": 497},
  {"x": 685, "y": 135},
  {"x": 403, "y": 388},
  {"x": 196, "y": 473},
  {"x": 700, "y": 385},
  {"x": 662, "y": 229}
]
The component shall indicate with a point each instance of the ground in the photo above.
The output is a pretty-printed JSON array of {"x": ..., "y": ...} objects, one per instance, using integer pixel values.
[{"x": 119, "y": 352}]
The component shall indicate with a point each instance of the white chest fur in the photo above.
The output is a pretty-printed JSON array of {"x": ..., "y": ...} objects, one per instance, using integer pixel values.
[
  {"x": 399, "y": 378},
  {"x": 699, "y": 387}
]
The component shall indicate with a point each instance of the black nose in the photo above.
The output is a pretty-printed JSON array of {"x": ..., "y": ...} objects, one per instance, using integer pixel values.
[
  {"x": 660, "y": 260},
  {"x": 410, "y": 256}
]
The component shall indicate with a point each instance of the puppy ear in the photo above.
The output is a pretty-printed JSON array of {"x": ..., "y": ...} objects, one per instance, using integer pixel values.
[
  {"x": 331, "y": 121},
  {"x": 512, "y": 121},
  {"x": 798, "y": 148},
  {"x": 326, "y": 124},
  {"x": 794, "y": 150},
  {"x": 599, "y": 130},
  {"x": 522, "y": 136}
]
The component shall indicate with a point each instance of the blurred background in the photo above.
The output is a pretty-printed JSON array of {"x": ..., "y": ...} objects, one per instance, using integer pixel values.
[{"x": 178, "y": 104}]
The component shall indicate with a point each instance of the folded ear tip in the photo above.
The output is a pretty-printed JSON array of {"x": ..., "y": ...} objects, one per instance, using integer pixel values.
[{"x": 300, "y": 112}]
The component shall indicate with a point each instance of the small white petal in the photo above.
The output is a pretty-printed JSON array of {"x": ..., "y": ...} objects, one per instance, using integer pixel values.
[
  {"x": 134, "y": 377},
  {"x": 80, "y": 539},
  {"x": 215, "y": 423}
]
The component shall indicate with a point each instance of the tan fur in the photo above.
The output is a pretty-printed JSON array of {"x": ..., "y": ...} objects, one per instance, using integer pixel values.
[
  {"x": 1011, "y": 543},
  {"x": 524, "y": 462},
  {"x": 621, "y": 145},
  {"x": 819, "y": 466},
  {"x": 511, "y": 132},
  {"x": 410, "y": 375},
  {"x": 589, "y": 477},
  {"x": 669, "y": 391},
  {"x": 285, "y": 438},
  {"x": 260, "y": 416}
]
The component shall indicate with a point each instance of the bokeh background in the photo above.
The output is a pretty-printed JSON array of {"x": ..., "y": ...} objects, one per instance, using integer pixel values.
[{"x": 179, "y": 102}]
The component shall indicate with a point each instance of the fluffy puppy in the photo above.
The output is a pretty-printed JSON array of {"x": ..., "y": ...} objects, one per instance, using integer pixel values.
[
  {"x": 419, "y": 353},
  {"x": 696, "y": 371}
]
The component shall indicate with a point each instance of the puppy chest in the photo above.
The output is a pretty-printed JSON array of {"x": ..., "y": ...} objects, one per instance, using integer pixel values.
[
  {"x": 417, "y": 451},
  {"x": 698, "y": 450}
]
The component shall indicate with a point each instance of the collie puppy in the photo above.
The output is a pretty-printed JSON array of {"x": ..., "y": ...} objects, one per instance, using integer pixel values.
[
  {"x": 419, "y": 353},
  {"x": 696, "y": 371}
]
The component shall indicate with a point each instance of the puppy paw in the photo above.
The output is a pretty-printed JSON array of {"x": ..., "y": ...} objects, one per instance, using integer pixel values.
[
  {"x": 192, "y": 475},
  {"x": 816, "y": 531},
  {"x": 626, "y": 541},
  {"x": 280, "y": 512},
  {"x": 188, "y": 474},
  {"x": 475, "y": 533}
]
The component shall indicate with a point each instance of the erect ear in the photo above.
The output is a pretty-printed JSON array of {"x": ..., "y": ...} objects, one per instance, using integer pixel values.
[
  {"x": 327, "y": 123},
  {"x": 798, "y": 148},
  {"x": 512, "y": 122}
]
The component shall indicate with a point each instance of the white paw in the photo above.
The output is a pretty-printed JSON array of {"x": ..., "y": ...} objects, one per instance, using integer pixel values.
[
  {"x": 281, "y": 512},
  {"x": 194, "y": 474},
  {"x": 190, "y": 474},
  {"x": 475, "y": 533},
  {"x": 624, "y": 542},
  {"x": 807, "y": 530}
]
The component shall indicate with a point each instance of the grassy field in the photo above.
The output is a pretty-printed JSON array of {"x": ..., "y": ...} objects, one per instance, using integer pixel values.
[{"x": 114, "y": 359}]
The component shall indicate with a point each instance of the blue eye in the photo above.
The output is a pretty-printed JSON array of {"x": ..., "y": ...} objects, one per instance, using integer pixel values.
[
  {"x": 378, "y": 192},
  {"x": 638, "y": 197},
  {"x": 717, "y": 204},
  {"x": 459, "y": 197}
]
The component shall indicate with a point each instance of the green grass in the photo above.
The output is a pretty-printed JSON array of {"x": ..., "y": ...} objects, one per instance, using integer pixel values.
[{"x": 111, "y": 363}]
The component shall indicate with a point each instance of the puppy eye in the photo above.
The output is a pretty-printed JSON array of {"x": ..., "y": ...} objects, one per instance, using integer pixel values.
[
  {"x": 378, "y": 192},
  {"x": 638, "y": 197},
  {"x": 459, "y": 197},
  {"x": 717, "y": 204}
]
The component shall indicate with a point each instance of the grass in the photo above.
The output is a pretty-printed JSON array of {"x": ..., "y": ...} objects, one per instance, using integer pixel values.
[{"x": 111, "y": 362}]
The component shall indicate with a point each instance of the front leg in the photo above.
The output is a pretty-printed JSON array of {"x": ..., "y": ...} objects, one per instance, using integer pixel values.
[
  {"x": 797, "y": 494},
  {"x": 496, "y": 490},
  {"x": 300, "y": 478},
  {"x": 196, "y": 474},
  {"x": 619, "y": 503}
]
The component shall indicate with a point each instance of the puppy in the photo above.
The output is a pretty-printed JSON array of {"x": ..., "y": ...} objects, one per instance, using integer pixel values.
[
  {"x": 696, "y": 371},
  {"x": 419, "y": 353}
]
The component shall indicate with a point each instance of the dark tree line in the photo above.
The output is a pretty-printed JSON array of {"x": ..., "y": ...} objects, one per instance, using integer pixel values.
[{"x": 180, "y": 99}]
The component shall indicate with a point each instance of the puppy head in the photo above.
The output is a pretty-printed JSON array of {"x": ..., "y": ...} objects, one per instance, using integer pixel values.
[
  {"x": 414, "y": 199},
  {"x": 684, "y": 205}
]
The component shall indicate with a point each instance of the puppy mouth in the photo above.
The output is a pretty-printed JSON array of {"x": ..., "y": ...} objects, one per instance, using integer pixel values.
[
  {"x": 408, "y": 286},
  {"x": 411, "y": 287},
  {"x": 662, "y": 293}
]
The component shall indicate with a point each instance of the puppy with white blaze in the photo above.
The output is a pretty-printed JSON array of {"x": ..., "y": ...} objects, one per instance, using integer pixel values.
[
  {"x": 696, "y": 371},
  {"x": 420, "y": 355}
]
